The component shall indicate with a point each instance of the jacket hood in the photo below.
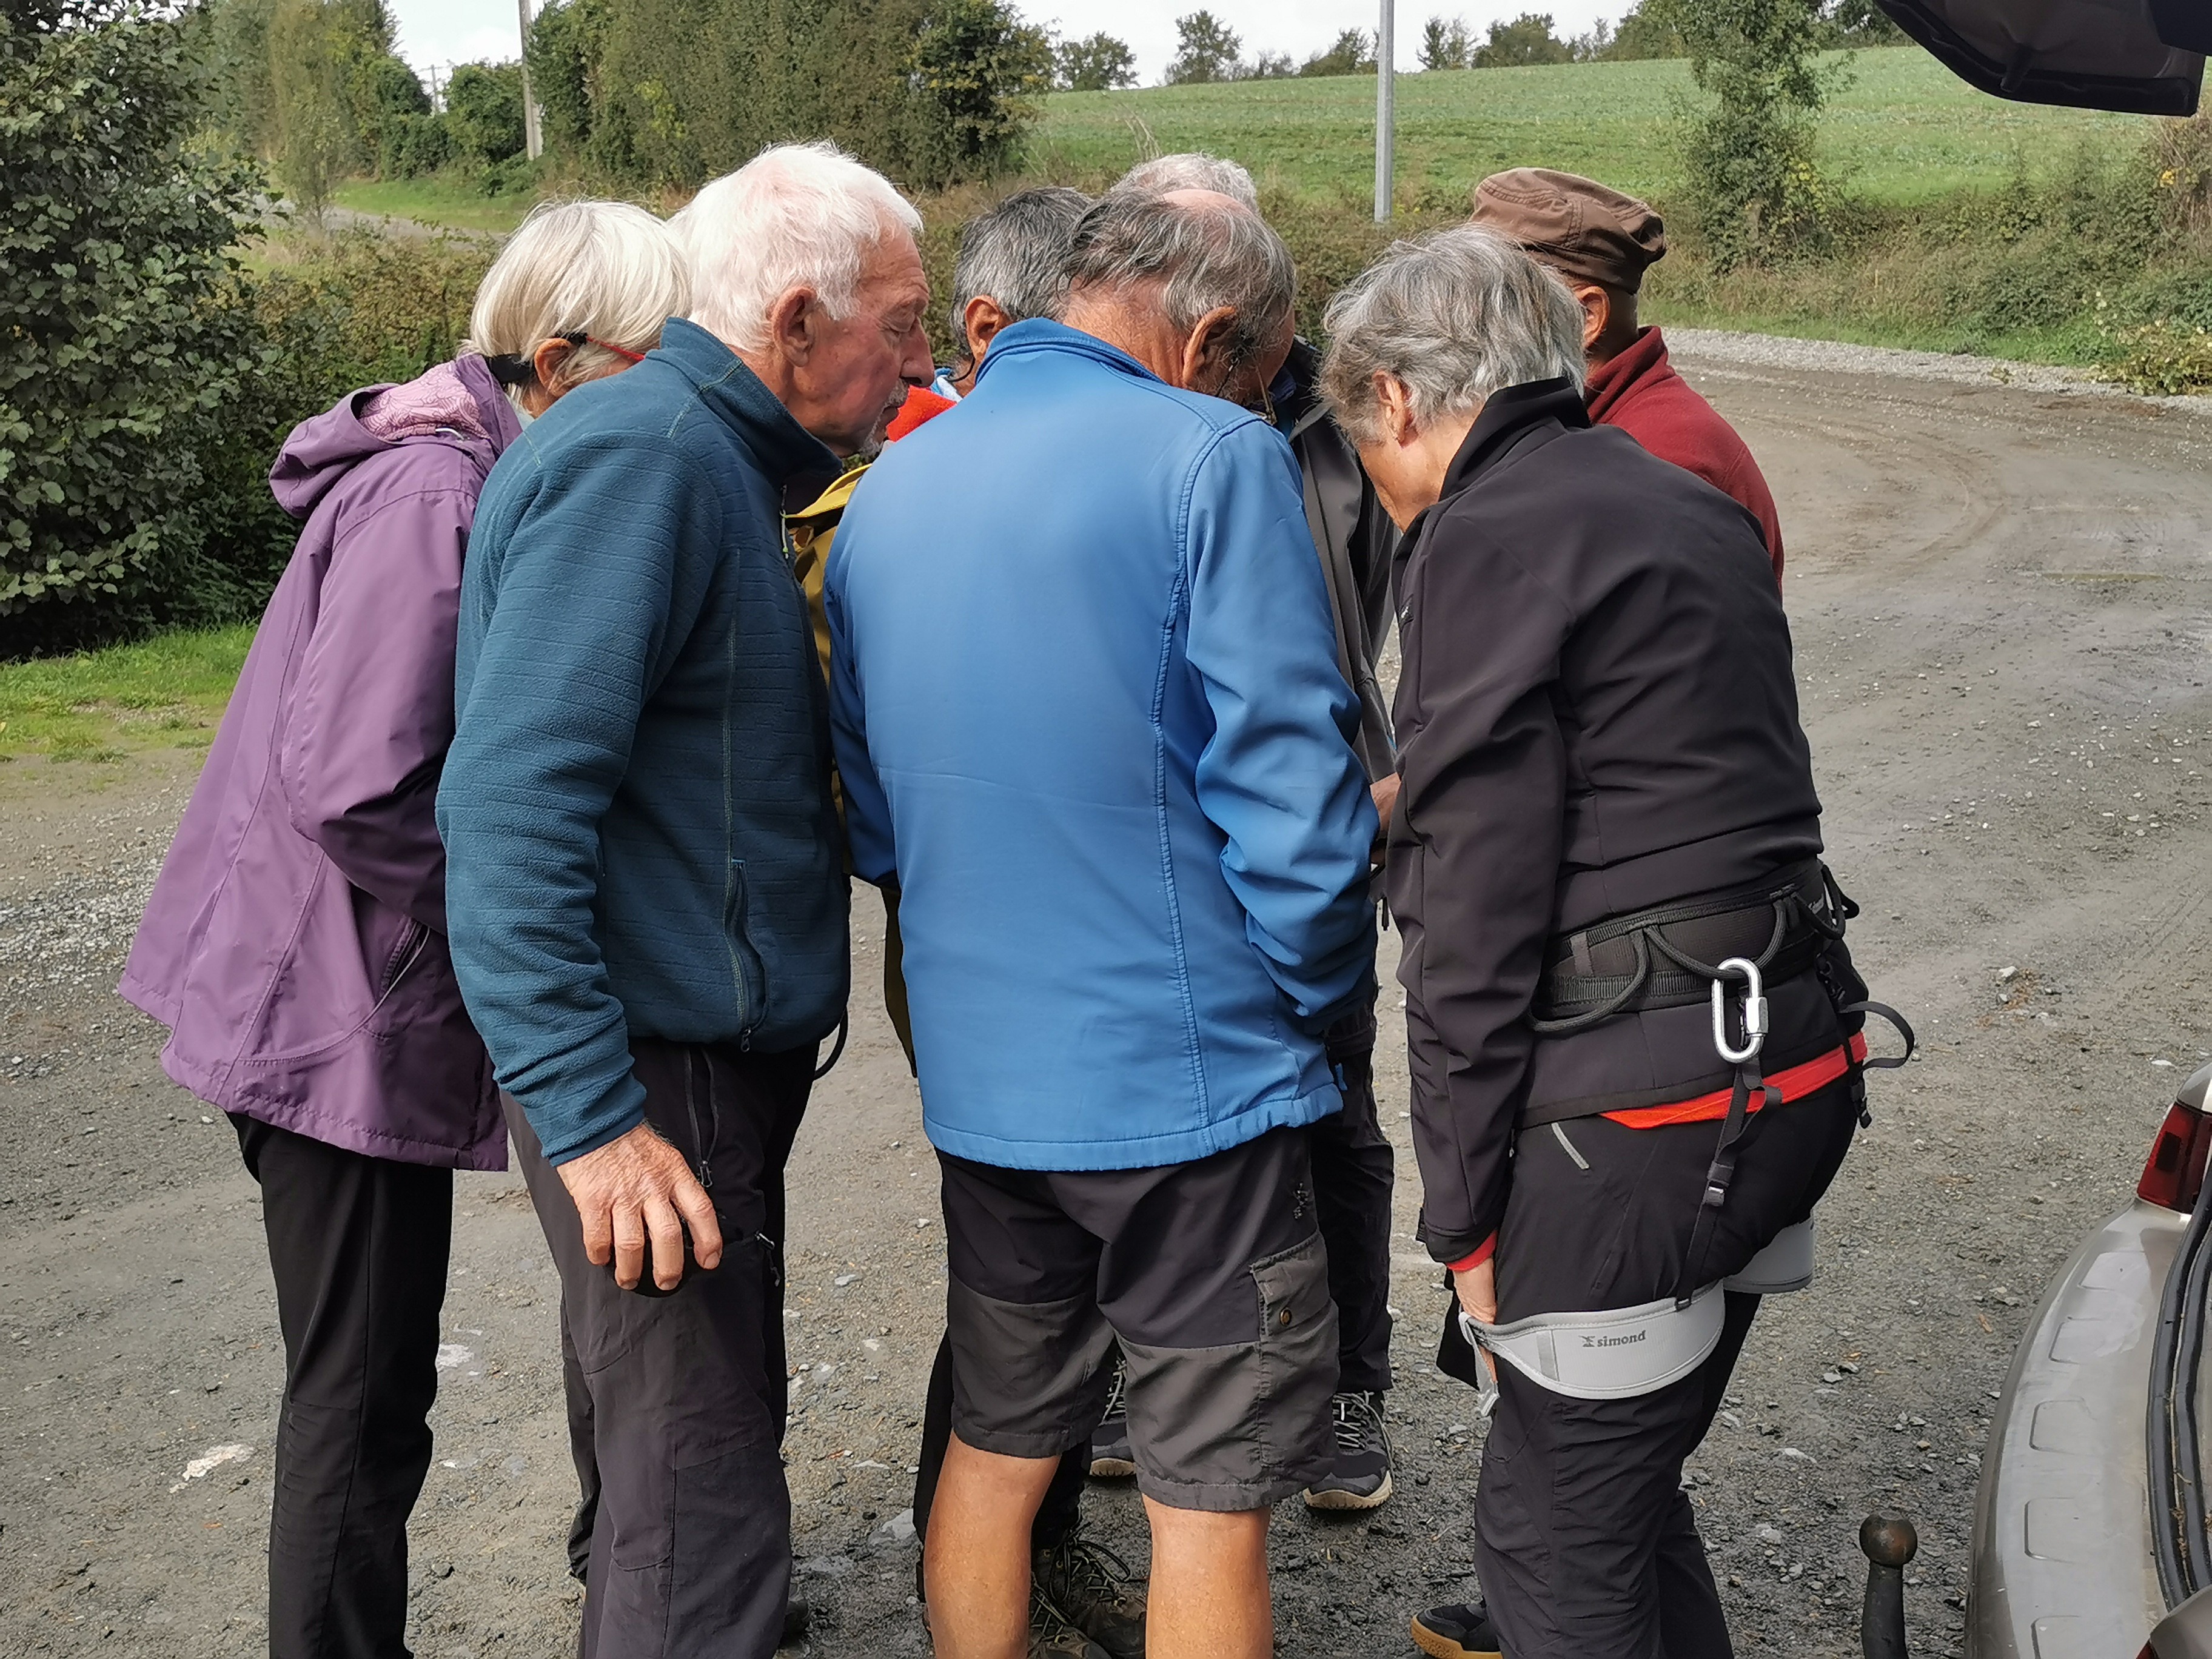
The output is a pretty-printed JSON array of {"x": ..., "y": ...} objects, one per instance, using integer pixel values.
[{"x": 323, "y": 449}]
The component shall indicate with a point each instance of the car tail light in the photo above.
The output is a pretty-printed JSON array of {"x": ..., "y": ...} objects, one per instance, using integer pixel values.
[{"x": 2173, "y": 1174}]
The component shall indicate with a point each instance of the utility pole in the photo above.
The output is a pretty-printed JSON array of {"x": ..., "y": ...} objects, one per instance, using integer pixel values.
[
  {"x": 1386, "y": 133},
  {"x": 533, "y": 135}
]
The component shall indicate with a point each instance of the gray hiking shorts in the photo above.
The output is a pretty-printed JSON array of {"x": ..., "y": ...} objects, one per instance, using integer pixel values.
[{"x": 1212, "y": 1276}]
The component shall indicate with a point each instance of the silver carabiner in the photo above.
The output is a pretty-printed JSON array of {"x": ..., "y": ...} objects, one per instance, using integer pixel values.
[{"x": 1754, "y": 1012}]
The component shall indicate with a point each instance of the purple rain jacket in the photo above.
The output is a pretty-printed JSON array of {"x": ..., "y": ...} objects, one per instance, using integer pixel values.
[{"x": 295, "y": 941}]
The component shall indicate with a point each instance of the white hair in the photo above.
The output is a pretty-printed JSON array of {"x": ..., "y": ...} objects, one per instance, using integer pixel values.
[
  {"x": 1193, "y": 169},
  {"x": 1454, "y": 316},
  {"x": 796, "y": 216},
  {"x": 609, "y": 269}
]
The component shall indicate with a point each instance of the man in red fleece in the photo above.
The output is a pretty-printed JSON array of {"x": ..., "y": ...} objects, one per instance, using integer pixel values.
[{"x": 1601, "y": 242}]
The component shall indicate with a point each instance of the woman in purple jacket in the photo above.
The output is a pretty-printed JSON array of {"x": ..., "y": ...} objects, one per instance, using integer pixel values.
[{"x": 294, "y": 944}]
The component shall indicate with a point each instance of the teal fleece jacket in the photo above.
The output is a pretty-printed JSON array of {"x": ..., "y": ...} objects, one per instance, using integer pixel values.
[{"x": 640, "y": 836}]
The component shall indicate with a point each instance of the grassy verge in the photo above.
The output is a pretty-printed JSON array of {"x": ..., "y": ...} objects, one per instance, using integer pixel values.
[
  {"x": 451, "y": 203},
  {"x": 162, "y": 693}
]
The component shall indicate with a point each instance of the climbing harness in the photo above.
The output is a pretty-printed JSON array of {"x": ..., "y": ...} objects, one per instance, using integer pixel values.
[{"x": 1657, "y": 958}]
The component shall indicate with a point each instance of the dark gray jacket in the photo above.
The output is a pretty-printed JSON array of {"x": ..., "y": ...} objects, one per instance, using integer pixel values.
[
  {"x": 1597, "y": 714},
  {"x": 1356, "y": 540}
]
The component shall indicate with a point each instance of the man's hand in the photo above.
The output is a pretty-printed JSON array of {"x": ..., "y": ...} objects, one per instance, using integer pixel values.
[
  {"x": 1385, "y": 791},
  {"x": 1478, "y": 1290},
  {"x": 635, "y": 1188}
]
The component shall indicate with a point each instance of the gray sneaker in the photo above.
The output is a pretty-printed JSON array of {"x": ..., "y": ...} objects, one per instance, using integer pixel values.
[
  {"x": 1359, "y": 1478},
  {"x": 1110, "y": 1441},
  {"x": 1095, "y": 1589}
]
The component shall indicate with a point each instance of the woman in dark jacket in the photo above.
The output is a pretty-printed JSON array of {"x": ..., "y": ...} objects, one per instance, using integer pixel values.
[
  {"x": 1606, "y": 795},
  {"x": 294, "y": 944}
]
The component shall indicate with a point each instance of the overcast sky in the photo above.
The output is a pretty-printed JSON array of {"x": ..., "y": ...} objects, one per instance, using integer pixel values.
[{"x": 443, "y": 32}]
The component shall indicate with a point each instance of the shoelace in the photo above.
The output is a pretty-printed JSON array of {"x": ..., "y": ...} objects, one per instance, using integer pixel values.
[
  {"x": 1355, "y": 1421},
  {"x": 1091, "y": 1565},
  {"x": 1117, "y": 1396}
]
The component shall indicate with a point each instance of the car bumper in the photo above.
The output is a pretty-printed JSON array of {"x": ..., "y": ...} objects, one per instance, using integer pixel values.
[{"x": 2063, "y": 1563}]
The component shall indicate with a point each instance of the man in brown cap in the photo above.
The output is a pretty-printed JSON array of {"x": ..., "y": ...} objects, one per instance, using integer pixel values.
[{"x": 1601, "y": 242}]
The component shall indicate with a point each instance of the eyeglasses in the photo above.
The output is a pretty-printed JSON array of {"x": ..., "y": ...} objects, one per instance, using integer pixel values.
[
  {"x": 519, "y": 368},
  {"x": 578, "y": 340}
]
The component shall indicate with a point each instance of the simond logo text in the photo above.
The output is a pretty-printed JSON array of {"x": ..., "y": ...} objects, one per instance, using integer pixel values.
[{"x": 1614, "y": 1342}]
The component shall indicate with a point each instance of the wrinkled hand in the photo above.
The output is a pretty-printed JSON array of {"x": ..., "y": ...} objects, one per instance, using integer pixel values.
[
  {"x": 635, "y": 1188},
  {"x": 1385, "y": 791},
  {"x": 1478, "y": 1290}
]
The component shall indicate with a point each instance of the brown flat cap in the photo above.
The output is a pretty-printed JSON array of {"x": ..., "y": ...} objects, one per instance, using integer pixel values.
[{"x": 1583, "y": 229}]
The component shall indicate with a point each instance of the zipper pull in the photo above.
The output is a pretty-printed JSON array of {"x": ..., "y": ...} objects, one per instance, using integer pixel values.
[{"x": 706, "y": 1174}]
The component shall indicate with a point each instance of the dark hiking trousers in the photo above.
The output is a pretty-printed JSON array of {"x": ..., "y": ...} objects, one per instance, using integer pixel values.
[
  {"x": 358, "y": 1246},
  {"x": 689, "y": 1541},
  {"x": 1352, "y": 1175},
  {"x": 1584, "y": 1540}
]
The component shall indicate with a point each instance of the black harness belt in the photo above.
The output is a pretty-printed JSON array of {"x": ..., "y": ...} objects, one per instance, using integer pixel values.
[{"x": 1697, "y": 951}]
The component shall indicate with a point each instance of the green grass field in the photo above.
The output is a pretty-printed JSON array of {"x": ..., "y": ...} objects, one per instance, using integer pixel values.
[
  {"x": 167, "y": 692},
  {"x": 452, "y": 202},
  {"x": 1904, "y": 130}
]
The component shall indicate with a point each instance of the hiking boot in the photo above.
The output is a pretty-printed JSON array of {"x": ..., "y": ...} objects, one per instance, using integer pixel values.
[
  {"x": 1051, "y": 1637},
  {"x": 1359, "y": 1478},
  {"x": 1463, "y": 1632},
  {"x": 1095, "y": 1589},
  {"x": 1110, "y": 1441}
]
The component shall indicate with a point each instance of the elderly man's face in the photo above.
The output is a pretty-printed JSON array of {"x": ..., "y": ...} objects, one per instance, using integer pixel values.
[{"x": 849, "y": 374}]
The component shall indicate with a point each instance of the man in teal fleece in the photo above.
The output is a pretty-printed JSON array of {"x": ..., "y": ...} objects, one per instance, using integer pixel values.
[
  {"x": 1089, "y": 717},
  {"x": 645, "y": 882}
]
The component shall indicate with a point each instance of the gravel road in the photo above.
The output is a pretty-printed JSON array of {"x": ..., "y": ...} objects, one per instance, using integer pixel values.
[{"x": 2002, "y": 600}]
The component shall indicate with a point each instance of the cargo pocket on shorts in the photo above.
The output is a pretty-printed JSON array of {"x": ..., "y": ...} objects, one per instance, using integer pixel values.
[{"x": 1298, "y": 1363}]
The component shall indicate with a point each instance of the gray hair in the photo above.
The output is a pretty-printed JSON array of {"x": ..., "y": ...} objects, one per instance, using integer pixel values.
[
  {"x": 1454, "y": 315},
  {"x": 1192, "y": 169},
  {"x": 1013, "y": 255},
  {"x": 796, "y": 216},
  {"x": 605, "y": 269},
  {"x": 1201, "y": 255}
]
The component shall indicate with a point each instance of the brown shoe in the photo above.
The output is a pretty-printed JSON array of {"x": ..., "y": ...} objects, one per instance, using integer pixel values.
[{"x": 1095, "y": 1589}]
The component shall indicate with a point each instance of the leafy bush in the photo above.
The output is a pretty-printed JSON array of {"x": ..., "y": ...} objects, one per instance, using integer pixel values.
[
  {"x": 1098, "y": 62},
  {"x": 483, "y": 107},
  {"x": 1206, "y": 50},
  {"x": 1526, "y": 40},
  {"x": 979, "y": 67},
  {"x": 1352, "y": 52},
  {"x": 1755, "y": 188},
  {"x": 126, "y": 346},
  {"x": 2164, "y": 359}
]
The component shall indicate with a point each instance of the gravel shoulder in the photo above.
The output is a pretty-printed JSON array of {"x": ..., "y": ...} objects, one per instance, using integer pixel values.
[{"x": 2002, "y": 594}]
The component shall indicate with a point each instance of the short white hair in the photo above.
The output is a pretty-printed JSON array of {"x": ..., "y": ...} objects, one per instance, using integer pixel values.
[
  {"x": 1454, "y": 316},
  {"x": 609, "y": 269},
  {"x": 1193, "y": 169},
  {"x": 796, "y": 216}
]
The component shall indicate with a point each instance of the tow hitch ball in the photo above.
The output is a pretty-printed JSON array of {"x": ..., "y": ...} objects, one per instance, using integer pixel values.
[{"x": 1889, "y": 1542}]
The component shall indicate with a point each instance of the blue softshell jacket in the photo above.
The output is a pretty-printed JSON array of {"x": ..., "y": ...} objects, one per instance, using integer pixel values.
[
  {"x": 641, "y": 840},
  {"x": 1088, "y": 715}
]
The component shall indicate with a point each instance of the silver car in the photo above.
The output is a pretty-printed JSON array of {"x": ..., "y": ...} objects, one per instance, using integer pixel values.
[{"x": 2090, "y": 1525}]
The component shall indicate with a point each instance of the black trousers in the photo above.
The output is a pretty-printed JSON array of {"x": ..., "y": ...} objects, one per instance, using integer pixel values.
[
  {"x": 1585, "y": 1542},
  {"x": 687, "y": 1549},
  {"x": 358, "y": 1247}
]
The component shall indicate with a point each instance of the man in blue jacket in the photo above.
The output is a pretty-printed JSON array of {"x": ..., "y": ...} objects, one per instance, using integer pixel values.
[
  {"x": 645, "y": 887},
  {"x": 1089, "y": 717}
]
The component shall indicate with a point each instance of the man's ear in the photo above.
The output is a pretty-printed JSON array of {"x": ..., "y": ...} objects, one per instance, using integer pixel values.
[
  {"x": 794, "y": 324},
  {"x": 1394, "y": 409},
  {"x": 1209, "y": 352},
  {"x": 981, "y": 320},
  {"x": 1597, "y": 313}
]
